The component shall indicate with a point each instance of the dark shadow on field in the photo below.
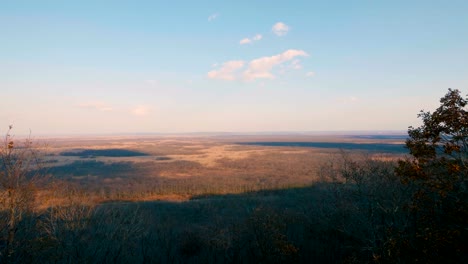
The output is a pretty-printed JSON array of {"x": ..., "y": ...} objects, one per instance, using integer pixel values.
[
  {"x": 104, "y": 153},
  {"x": 372, "y": 147},
  {"x": 92, "y": 167},
  {"x": 123, "y": 169},
  {"x": 125, "y": 180}
]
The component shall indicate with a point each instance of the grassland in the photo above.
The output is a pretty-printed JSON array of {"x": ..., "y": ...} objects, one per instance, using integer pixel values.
[{"x": 178, "y": 168}]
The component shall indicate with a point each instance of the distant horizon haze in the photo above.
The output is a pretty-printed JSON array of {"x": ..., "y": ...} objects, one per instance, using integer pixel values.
[{"x": 360, "y": 133}]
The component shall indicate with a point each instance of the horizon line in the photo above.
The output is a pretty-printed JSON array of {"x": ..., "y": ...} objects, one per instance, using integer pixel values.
[{"x": 224, "y": 133}]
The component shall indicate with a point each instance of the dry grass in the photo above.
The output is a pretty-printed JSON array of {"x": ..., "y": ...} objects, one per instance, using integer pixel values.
[{"x": 178, "y": 168}]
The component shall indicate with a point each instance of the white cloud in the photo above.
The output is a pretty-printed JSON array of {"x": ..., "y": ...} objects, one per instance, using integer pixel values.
[
  {"x": 250, "y": 40},
  {"x": 245, "y": 41},
  {"x": 280, "y": 29},
  {"x": 227, "y": 71},
  {"x": 258, "y": 68},
  {"x": 296, "y": 65},
  {"x": 310, "y": 74},
  {"x": 141, "y": 110},
  {"x": 261, "y": 68},
  {"x": 96, "y": 105},
  {"x": 213, "y": 17},
  {"x": 257, "y": 37}
]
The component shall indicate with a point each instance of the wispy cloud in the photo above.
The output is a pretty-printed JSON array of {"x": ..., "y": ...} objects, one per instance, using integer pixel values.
[
  {"x": 96, "y": 105},
  {"x": 280, "y": 29},
  {"x": 250, "y": 40},
  {"x": 227, "y": 71},
  {"x": 310, "y": 74},
  {"x": 213, "y": 17},
  {"x": 260, "y": 68},
  {"x": 141, "y": 110},
  {"x": 295, "y": 65},
  {"x": 245, "y": 41}
]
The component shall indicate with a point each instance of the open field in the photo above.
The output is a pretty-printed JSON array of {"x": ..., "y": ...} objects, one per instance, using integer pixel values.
[{"x": 179, "y": 167}]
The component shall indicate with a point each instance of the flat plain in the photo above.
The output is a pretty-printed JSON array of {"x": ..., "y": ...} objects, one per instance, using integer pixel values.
[{"x": 181, "y": 167}]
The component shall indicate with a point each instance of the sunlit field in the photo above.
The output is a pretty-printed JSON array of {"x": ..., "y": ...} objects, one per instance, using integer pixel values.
[{"x": 178, "y": 168}]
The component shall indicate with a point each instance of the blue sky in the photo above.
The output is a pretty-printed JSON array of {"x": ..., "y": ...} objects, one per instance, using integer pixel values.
[{"x": 71, "y": 67}]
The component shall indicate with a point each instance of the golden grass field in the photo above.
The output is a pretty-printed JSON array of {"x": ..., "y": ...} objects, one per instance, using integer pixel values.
[{"x": 182, "y": 167}]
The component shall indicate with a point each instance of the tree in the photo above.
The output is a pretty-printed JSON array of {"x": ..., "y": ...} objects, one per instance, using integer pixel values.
[
  {"x": 19, "y": 173},
  {"x": 437, "y": 173}
]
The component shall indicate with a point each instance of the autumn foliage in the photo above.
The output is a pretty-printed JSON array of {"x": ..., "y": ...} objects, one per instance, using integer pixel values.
[{"x": 437, "y": 174}]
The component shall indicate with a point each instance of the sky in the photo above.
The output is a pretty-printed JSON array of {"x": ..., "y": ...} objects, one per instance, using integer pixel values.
[{"x": 97, "y": 67}]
